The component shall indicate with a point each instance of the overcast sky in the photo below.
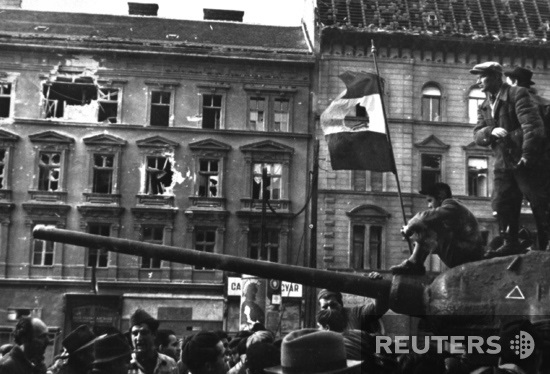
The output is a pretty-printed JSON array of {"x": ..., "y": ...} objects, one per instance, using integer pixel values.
[{"x": 267, "y": 12}]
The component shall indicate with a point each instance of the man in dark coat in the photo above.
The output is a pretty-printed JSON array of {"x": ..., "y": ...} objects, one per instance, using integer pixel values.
[
  {"x": 447, "y": 229},
  {"x": 27, "y": 357},
  {"x": 509, "y": 122}
]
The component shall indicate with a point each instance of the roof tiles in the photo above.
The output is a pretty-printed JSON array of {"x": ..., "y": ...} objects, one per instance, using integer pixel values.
[{"x": 514, "y": 20}]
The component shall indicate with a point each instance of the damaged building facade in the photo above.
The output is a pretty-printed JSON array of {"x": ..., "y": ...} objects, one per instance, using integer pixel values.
[
  {"x": 425, "y": 51},
  {"x": 155, "y": 130}
]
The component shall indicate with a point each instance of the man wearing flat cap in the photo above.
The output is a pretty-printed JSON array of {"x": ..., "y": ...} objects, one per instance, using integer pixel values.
[
  {"x": 447, "y": 228},
  {"x": 510, "y": 123},
  {"x": 146, "y": 359}
]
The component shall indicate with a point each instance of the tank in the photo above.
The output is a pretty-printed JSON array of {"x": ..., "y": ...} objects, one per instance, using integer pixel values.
[{"x": 471, "y": 297}]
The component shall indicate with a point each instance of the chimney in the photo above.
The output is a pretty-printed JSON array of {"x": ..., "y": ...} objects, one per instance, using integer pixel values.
[
  {"x": 143, "y": 9},
  {"x": 223, "y": 15}
]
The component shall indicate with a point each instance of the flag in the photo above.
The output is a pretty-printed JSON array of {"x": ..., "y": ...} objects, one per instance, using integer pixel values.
[{"x": 359, "y": 142}]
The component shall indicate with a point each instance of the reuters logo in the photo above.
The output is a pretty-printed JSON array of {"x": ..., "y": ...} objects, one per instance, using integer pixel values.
[{"x": 523, "y": 344}]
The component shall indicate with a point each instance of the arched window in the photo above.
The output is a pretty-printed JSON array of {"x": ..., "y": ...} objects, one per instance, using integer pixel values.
[
  {"x": 475, "y": 98},
  {"x": 431, "y": 103}
]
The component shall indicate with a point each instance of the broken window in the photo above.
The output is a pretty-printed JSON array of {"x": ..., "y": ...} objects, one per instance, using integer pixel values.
[
  {"x": 158, "y": 175},
  {"x": 42, "y": 251},
  {"x": 160, "y": 108},
  {"x": 257, "y": 107},
  {"x": 272, "y": 182},
  {"x": 205, "y": 241},
  {"x": 70, "y": 98},
  {"x": 5, "y": 99},
  {"x": 211, "y": 111},
  {"x": 49, "y": 171},
  {"x": 270, "y": 250},
  {"x": 208, "y": 178},
  {"x": 281, "y": 115},
  {"x": 108, "y": 104},
  {"x": 98, "y": 257},
  {"x": 103, "y": 173},
  {"x": 2, "y": 167},
  {"x": 79, "y": 98},
  {"x": 153, "y": 235}
]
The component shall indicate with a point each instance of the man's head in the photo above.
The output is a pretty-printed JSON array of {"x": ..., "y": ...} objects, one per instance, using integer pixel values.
[
  {"x": 436, "y": 193},
  {"x": 204, "y": 354},
  {"x": 143, "y": 329},
  {"x": 520, "y": 77},
  {"x": 489, "y": 76},
  {"x": 31, "y": 334},
  {"x": 168, "y": 343},
  {"x": 332, "y": 319},
  {"x": 330, "y": 300}
]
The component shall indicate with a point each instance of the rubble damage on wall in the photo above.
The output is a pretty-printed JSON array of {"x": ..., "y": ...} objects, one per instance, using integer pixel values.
[{"x": 76, "y": 94}]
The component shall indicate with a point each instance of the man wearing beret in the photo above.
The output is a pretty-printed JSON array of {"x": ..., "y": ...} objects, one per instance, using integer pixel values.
[
  {"x": 364, "y": 317},
  {"x": 146, "y": 359},
  {"x": 509, "y": 122}
]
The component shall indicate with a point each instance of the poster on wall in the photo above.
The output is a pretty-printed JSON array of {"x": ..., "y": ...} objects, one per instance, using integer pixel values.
[{"x": 253, "y": 301}]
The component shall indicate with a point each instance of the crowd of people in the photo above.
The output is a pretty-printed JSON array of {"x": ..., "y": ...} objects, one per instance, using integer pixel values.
[{"x": 337, "y": 345}]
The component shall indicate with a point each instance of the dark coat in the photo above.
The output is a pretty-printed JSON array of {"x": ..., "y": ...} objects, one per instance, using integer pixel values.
[
  {"x": 15, "y": 362},
  {"x": 518, "y": 114}
]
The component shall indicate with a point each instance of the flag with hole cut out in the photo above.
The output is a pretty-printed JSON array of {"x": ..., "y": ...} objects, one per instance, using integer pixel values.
[{"x": 354, "y": 125}]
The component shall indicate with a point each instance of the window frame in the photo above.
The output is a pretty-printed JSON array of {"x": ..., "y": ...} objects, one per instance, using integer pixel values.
[
  {"x": 486, "y": 193},
  {"x": 7, "y": 144},
  {"x": 362, "y": 181},
  {"x": 34, "y": 241},
  {"x": 271, "y": 232},
  {"x": 51, "y": 141},
  {"x": 213, "y": 88},
  {"x": 100, "y": 252},
  {"x": 106, "y": 145},
  {"x": 267, "y": 152},
  {"x": 118, "y": 101},
  {"x": 473, "y": 150},
  {"x": 366, "y": 249},
  {"x": 431, "y": 97},
  {"x": 155, "y": 146},
  {"x": 270, "y": 176},
  {"x": 424, "y": 169},
  {"x": 8, "y": 97},
  {"x": 472, "y": 113},
  {"x": 270, "y": 95},
  {"x": 204, "y": 229},
  {"x": 209, "y": 150},
  {"x": 158, "y": 86},
  {"x": 368, "y": 216},
  {"x": 50, "y": 215},
  {"x": 152, "y": 261}
]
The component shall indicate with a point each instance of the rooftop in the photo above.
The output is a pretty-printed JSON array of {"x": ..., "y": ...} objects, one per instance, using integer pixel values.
[
  {"x": 149, "y": 32},
  {"x": 526, "y": 21}
]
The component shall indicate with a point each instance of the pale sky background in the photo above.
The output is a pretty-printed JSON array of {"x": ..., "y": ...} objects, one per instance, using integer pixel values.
[{"x": 265, "y": 12}]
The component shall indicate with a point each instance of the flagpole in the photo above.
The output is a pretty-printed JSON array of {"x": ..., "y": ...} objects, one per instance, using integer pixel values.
[{"x": 373, "y": 51}]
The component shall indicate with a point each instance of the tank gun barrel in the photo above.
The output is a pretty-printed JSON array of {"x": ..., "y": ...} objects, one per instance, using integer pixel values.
[{"x": 347, "y": 283}]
